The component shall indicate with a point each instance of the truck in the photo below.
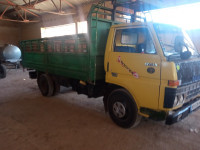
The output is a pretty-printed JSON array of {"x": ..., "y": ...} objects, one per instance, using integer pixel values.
[{"x": 141, "y": 68}]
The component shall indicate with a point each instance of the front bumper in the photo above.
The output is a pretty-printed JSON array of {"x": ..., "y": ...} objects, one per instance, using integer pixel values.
[{"x": 183, "y": 112}]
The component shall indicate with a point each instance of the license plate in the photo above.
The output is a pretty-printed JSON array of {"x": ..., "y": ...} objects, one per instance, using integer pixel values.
[{"x": 195, "y": 105}]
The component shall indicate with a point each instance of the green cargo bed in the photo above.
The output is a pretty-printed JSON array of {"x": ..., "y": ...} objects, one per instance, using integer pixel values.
[{"x": 78, "y": 56}]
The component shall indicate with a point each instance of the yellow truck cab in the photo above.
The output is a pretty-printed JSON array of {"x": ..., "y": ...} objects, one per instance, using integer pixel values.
[{"x": 156, "y": 66}]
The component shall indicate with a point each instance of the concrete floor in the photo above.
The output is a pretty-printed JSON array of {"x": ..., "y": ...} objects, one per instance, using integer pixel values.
[{"x": 29, "y": 121}]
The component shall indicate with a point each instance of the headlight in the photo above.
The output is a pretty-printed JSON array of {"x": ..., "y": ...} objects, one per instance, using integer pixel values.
[
  {"x": 179, "y": 99},
  {"x": 176, "y": 101}
]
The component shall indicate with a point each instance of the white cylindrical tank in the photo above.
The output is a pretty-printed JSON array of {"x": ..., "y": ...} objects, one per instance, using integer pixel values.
[{"x": 11, "y": 52}]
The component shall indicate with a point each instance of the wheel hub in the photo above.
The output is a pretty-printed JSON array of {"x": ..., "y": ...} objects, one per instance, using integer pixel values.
[{"x": 119, "y": 109}]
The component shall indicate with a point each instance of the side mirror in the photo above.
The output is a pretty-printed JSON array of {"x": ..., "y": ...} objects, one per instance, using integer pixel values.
[
  {"x": 178, "y": 44},
  {"x": 185, "y": 55}
]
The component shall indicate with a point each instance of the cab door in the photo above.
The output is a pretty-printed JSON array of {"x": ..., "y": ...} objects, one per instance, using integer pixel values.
[{"x": 135, "y": 65}]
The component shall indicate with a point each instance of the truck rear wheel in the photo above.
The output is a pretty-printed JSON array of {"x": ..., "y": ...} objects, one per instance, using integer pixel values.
[
  {"x": 2, "y": 71},
  {"x": 45, "y": 85},
  {"x": 56, "y": 88},
  {"x": 123, "y": 109}
]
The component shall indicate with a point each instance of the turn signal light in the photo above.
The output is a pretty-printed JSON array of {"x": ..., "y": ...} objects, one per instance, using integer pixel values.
[{"x": 173, "y": 82}]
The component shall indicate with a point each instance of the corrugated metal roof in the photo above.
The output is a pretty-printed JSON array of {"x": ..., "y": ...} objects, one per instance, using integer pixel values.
[
  {"x": 24, "y": 9},
  {"x": 15, "y": 8}
]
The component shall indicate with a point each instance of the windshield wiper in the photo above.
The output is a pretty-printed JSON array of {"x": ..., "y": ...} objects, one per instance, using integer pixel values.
[
  {"x": 169, "y": 45},
  {"x": 173, "y": 56}
]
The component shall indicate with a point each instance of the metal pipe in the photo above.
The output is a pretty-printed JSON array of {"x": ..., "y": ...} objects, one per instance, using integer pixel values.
[
  {"x": 40, "y": 10},
  {"x": 68, "y": 3},
  {"x": 26, "y": 21},
  {"x": 55, "y": 5},
  {"x": 4, "y": 11}
]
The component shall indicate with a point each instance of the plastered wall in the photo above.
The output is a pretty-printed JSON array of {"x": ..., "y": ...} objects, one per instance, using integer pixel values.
[
  {"x": 10, "y": 33},
  {"x": 32, "y": 30}
]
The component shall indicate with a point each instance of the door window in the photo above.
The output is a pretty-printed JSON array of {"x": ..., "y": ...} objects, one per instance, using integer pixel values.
[{"x": 134, "y": 40}]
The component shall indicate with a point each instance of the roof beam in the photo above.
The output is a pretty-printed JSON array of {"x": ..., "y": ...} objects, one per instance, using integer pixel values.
[
  {"x": 4, "y": 11},
  {"x": 68, "y": 3},
  {"x": 36, "y": 2},
  {"x": 30, "y": 12},
  {"x": 40, "y": 10},
  {"x": 55, "y": 5},
  {"x": 26, "y": 4},
  {"x": 26, "y": 21}
]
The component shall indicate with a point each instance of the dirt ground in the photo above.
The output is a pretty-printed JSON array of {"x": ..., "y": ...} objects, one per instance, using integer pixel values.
[{"x": 29, "y": 121}]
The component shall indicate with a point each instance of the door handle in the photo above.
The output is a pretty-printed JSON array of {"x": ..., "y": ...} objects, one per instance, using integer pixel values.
[{"x": 114, "y": 74}]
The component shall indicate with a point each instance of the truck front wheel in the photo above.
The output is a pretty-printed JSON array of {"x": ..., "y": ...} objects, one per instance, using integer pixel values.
[
  {"x": 123, "y": 109},
  {"x": 45, "y": 85}
]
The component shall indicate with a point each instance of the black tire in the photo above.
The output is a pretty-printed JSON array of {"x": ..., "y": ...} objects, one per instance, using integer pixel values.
[
  {"x": 45, "y": 85},
  {"x": 123, "y": 109},
  {"x": 56, "y": 88},
  {"x": 2, "y": 71}
]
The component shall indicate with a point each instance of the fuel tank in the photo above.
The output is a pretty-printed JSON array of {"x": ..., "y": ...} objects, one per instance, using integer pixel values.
[{"x": 11, "y": 52}]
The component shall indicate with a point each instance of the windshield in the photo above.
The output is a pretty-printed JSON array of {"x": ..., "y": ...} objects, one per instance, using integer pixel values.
[{"x": 174, "y": 41}]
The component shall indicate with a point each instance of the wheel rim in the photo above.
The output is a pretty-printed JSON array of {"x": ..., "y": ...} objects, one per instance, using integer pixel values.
[{"x": 119, "y": 109}]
